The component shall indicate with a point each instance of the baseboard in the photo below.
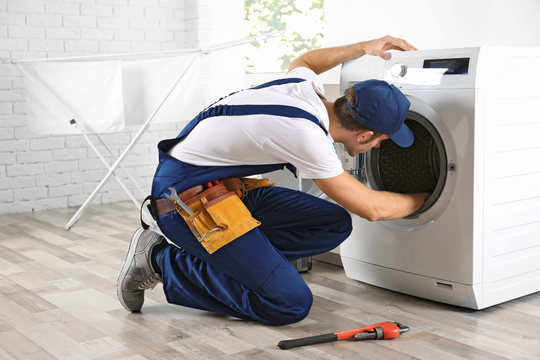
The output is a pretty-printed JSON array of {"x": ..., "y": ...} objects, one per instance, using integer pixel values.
[{"x": 329, "y": 257}]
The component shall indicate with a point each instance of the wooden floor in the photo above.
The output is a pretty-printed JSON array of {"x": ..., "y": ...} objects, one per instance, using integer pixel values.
[{"x": 58, "y": 301}]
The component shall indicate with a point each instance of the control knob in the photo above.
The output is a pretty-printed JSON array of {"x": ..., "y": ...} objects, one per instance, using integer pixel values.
[{"x": 398, "y": 70}]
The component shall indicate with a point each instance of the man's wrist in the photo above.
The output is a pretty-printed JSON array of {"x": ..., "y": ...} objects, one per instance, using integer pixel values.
[{"x": 361, "y": 48}]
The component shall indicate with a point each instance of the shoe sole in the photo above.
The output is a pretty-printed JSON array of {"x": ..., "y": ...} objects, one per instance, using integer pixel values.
[{"x": 131, "y": 253}]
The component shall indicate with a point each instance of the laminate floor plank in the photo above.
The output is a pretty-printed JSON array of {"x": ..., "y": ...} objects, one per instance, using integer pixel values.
[
  {"x": 58, "y": 301},
  {"x": 18, "y": 346}
]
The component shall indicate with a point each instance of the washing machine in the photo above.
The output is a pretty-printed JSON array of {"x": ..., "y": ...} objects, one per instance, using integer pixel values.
[{"x": 476, "y": 241}]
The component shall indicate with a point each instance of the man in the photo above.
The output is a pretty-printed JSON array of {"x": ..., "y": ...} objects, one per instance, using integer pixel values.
[{"x": 287, "y": 122}]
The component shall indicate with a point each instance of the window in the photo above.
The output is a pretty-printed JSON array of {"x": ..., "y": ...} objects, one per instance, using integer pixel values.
[{"x": 302, "y": 18}]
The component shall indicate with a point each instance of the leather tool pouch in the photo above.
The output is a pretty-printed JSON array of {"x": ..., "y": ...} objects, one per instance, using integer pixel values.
[
  {"x": 252, "y": 183},
  {"x": 219, "y": 216},
  {"x": 243, "y": 185}
]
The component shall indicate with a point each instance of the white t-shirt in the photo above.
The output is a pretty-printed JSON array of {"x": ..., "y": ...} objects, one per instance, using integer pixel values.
[{"x": 267, "y": 139}]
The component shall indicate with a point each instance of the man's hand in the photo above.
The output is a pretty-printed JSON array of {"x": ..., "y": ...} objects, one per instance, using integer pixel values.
[
  {"x": 379, "y": 47},
  {"x": 321, "y": 60}
]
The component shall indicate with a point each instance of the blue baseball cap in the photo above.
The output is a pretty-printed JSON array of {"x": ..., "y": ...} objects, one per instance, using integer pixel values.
[{"x": 381, "y": 107}]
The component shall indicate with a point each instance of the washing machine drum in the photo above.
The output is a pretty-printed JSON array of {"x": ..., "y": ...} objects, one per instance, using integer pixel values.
[{"x": 420, "y": 168}]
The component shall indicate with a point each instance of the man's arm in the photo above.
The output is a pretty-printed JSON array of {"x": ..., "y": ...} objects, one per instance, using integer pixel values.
[
  {"x": 367, "y": 203},
  {"x": 321, "y": 60}
]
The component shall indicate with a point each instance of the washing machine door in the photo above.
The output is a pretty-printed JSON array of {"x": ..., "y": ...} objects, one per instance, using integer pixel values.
[{"x": 427, "y": 166}]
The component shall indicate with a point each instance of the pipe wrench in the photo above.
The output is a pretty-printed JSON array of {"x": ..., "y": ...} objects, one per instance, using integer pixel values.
[{"x": 385, "y": 330}]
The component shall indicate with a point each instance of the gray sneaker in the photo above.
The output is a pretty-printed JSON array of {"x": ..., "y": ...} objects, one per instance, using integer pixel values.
[{"x": 138, "y": 274}]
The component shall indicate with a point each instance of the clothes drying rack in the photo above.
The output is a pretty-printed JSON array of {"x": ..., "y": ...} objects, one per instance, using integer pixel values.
[{"x": 83, "y": 128}]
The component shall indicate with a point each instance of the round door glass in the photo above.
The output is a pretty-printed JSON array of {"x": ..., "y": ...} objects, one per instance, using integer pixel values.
[{"x": 420, "y": 168}]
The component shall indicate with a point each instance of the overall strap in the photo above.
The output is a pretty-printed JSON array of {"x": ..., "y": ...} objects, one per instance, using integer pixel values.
[
  {"x": 242, "y": 110},
  {"x": 278, "y": 82},
  {"x": 262, "y": 86},
  {"x": 276, "y": 110}
]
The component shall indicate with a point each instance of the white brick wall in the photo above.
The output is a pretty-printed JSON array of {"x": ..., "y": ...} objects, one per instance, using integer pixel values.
[{"x": 40, "y": 172}]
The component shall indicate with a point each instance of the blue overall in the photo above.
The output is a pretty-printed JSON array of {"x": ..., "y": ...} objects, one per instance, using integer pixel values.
[{"x": 251, "y": 277}]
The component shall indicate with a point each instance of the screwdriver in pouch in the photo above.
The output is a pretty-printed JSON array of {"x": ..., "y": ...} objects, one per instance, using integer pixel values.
[
  {"x": 211, "y": 183},
  {"x": 385, "y": 330}
]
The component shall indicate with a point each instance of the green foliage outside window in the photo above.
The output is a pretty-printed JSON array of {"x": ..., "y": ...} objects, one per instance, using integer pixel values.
[{"x": 302, "y": 18}]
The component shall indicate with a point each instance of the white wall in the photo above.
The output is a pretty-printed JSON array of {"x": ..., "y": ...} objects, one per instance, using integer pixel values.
[
  {"x": 227, "y": 66},
  {"x": 41, "y": 172},
  {"x": 433, "y": 24}
]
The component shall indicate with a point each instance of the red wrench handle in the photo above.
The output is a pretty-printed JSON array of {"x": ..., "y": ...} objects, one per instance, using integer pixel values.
[{"x": 389, "y": 329}]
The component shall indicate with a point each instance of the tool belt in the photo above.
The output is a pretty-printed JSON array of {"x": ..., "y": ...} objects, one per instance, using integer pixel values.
[{"x": 219, "y": 215}]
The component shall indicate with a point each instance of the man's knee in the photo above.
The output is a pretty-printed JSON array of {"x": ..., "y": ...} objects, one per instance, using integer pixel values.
[
  {"x": 290, "y": 295},
  {"x": 296, "y": 308}
]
